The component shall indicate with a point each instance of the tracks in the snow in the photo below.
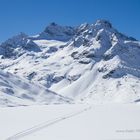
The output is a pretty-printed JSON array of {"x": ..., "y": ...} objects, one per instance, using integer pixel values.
[{"x": 45, "y": 125}]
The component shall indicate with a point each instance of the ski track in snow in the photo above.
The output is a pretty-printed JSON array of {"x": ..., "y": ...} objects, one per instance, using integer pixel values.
[{"x": 45, "y": 124}]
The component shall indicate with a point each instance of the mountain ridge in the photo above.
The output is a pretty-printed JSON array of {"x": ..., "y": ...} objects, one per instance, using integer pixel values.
[{"x": 61, "y": 57}]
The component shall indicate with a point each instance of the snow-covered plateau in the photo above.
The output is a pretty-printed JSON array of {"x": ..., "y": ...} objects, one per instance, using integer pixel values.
[
  {"x": 71, "y": 122},
  {"x": 70, "y": 83}
]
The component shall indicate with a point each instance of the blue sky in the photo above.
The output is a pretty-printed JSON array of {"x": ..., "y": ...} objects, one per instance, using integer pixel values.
[{"x": 32, "y": 16}]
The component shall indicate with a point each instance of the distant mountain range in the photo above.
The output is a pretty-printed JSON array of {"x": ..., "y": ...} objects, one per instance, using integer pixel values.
[{"x": 91, "y": 63}]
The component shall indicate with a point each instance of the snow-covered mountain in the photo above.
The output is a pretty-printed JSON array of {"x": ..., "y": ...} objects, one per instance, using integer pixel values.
[{"x": 88, "y": 63}]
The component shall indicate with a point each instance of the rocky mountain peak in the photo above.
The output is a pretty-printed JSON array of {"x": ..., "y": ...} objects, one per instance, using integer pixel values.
[{"x": 103, "y": 23}]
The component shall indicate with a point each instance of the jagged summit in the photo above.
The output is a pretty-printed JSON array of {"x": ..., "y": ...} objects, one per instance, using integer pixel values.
[
  {"x": 57, "y": 32},
  {"x": 65, "y": 33},
  {"x": 54, "y": 28},
  {"x": 103, "y": 23}
]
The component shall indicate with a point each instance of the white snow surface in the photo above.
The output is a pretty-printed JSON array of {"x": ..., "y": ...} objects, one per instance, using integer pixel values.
[
  {"x": 71, "y": 122},
  {"x": 16, "y": 91}
]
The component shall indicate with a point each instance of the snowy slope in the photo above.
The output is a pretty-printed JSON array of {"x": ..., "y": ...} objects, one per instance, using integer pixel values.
[
  {"x": 89, "y": 63},
  {"x": 16, "y": 91},
  {"x": 71, "y": 122}
]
